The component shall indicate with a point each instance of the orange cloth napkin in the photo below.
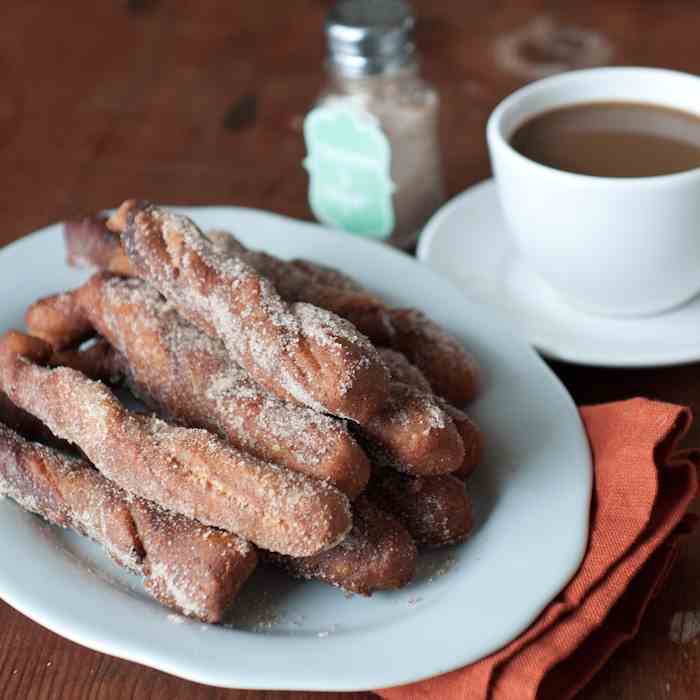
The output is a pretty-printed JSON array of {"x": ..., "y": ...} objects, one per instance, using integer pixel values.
[{"x": 641, "y": 493}]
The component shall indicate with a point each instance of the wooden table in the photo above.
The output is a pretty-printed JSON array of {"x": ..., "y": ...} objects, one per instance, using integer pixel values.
[{"x": 197, "y": 103}]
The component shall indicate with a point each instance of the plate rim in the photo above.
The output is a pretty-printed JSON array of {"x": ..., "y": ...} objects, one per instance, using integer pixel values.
[{"x": 175, "y": 667}]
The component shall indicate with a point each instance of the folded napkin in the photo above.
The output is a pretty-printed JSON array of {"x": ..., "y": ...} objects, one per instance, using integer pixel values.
[{"x": 642, "y": 490}]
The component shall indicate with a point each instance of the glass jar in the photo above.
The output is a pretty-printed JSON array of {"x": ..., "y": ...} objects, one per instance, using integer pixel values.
[{"x": 372, "y": 137}]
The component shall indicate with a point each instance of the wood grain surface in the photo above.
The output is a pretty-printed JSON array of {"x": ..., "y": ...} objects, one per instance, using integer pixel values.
[{"x": 202, "y": 102}]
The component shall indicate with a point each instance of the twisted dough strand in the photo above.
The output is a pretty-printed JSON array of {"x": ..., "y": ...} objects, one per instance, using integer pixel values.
[{"x": 186, "y": 566}]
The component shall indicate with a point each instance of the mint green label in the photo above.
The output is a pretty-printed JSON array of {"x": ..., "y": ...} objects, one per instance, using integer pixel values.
[{"x": 349, "y": 160}]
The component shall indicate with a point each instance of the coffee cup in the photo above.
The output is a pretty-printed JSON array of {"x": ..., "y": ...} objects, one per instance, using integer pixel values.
[{"x": 620, "y": 246}]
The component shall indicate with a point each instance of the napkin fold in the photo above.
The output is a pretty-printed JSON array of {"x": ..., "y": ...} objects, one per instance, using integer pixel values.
[{"x": 642, "y": 489}]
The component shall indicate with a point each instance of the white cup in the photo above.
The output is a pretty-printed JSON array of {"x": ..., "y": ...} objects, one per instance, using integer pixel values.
[{"x": 614, "y": 246}]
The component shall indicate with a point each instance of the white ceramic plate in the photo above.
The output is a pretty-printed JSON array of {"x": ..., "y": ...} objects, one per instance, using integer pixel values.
[
  {"x": 531, "y": 494},
  {"x": 468, "y": 242}
]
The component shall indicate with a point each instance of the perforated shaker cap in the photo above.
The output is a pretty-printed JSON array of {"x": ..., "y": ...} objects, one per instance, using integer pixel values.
[{"x": 366, "y": 37}]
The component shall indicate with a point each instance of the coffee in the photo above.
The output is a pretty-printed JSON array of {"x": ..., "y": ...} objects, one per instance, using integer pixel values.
[{"x": 612, "y": 139}]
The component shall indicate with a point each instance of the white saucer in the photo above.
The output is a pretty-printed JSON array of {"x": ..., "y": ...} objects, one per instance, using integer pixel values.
[{"x": 467, "y": 241}]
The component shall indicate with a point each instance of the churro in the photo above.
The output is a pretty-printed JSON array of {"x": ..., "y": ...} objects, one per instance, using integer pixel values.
[
  {"x": 377, "y": 555},
  {"x": 24, "y": 423},
  {"x": 436, "y": 510},
  {"x": 89, "y": 243},
  {"x": 402, "y": 371},
  {"x": 452, "y": 372},
  {"x": 188, "y": 376},
  {"x": 189, "y": 471},
  {"x": 194, "y": 569},
  {"x": 180, "y": 370},
  {"x": 413, "y": 434},
  {"x": 297, "y": 351}
]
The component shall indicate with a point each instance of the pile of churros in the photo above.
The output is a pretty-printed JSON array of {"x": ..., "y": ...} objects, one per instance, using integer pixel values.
[{"x": 293, "y": 418}]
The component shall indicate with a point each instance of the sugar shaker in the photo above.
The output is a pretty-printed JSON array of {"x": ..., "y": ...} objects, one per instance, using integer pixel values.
[{"x": 373, "y": 152}]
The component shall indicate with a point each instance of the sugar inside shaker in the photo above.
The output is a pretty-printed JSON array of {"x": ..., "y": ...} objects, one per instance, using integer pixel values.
[{"x": 373, "y": 152}]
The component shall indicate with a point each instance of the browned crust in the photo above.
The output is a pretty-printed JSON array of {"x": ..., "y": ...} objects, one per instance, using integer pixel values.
[
  {"x": 414, "y": 434},
  {"x": 377, "y": 555},
  {"x": 451, "y": 371},
  {"x": 185, "y": 470},
  {"x": 401, "y": 370},
  {"x": 436, "y": 510},
  {"x": 326, "y": 276},
  {"x": 98, "y": 361},
  {"x": 194, "y": 569},
  {"x": 57, "y": 320},
  {"x": 472, "y": 439},
  {"x": 183, "y": 373},
  {"x": 297, "y": 351},
  {"x": 22, "y": 422}
]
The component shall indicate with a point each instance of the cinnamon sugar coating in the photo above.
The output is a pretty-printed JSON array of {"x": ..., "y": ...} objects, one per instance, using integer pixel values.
[
  {"x": 295, "y": 284},
  {"x": 453, "y": 374},
  {"x": 188, "y": 376},
  {"x": 175, "y": 367},
  {"x": 297, "y": 351},
  {"x": 22, "y": 422},
  {"x": 191, "y": 568},
  {"x": 188, "y": 471},
  {"x": 401, "y": 370},
  {"x": 451, "y": 371},
  {"x": 414, "y": 434},
  {"x": 58, "y": 320},
  {"x": 377, "y": 555},
  {"x": 436, "y": 510}
]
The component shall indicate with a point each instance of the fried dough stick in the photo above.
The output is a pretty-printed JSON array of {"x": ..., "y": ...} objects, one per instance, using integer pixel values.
[
  {"x": 453, "y": 373},
  {"x": 402, "y": 371},
  {"x": 413, "y": 434},
  {"x": 297, "y": 351},
  {"x": 436, "y": 510},
  {"x": 189, "y": 471},
  {"x": 24, "y": 423},
  {"x": 186, "y": 566},
  {"x": 377, "y": 555},
  {"x": 174, "y": 366}
]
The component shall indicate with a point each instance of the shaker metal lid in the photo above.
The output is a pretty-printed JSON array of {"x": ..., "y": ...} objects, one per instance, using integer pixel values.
[{"x": 370, "y": 36}]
